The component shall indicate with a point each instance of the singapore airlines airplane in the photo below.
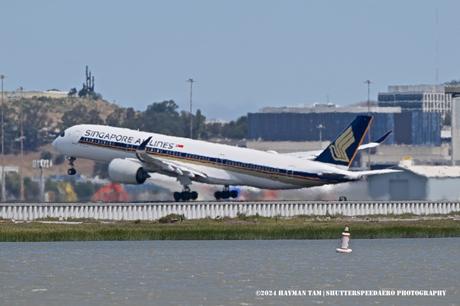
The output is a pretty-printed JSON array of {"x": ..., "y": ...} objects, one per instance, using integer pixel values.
[{"x": 132, "y": 155}]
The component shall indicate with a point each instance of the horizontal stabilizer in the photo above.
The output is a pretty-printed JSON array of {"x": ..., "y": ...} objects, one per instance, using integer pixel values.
[
  {"x": 376, "y": 143},
  {"x": 384, "y": 137},
  {"x": 361, "y": 174}
]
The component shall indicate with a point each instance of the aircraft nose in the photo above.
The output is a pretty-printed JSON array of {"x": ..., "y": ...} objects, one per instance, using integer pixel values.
[{"x": 55, "y": 143}]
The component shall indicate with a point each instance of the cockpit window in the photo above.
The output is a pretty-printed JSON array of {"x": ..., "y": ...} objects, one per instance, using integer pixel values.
[{"x": 62, "y": 134}]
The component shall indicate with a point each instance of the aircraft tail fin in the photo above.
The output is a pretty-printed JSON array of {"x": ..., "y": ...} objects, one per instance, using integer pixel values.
[{"x": 343, "y": 149}]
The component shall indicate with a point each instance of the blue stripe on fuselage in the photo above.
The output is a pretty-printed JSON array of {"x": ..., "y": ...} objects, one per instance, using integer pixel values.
[{"x": 213, "y": 160}]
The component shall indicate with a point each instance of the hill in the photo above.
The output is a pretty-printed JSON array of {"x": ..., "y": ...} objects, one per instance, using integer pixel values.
[
  {"x": 45, "y": 117},
  {"x": 54, "y": 108}
]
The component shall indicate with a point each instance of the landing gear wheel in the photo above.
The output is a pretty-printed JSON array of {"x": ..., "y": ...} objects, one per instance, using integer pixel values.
[
  {"x": 193, "y": 195},
  {"x": 226, "y": 193},
  {"x": 234, "y": 194},
  {"x": 222, "y": 195},
  {"x": 185, "y": 195},
  {"x": 177, "y": 196},
  {"x": 71, "y": 170}
]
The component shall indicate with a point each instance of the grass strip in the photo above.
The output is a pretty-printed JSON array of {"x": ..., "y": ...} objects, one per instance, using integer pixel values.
[{"x": 227, "y": 229}]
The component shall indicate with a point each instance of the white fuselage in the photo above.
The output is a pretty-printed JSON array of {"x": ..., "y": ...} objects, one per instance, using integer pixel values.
[{"x": 222, "y": 164}]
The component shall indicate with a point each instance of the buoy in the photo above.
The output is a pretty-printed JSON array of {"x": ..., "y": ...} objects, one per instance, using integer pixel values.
[{"x": 345, "y": 241}]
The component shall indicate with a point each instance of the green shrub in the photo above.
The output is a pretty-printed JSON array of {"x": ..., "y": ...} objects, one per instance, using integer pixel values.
[{"x": 172, "y": 218}]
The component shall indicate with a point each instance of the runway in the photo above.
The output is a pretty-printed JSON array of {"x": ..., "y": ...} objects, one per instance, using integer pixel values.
[{"x": 216, "y": 209}]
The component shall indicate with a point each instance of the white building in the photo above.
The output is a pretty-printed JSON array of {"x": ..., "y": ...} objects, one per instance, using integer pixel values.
[
  {"x": 429, "y": 98},
  {"x": 421, "y": 182}
]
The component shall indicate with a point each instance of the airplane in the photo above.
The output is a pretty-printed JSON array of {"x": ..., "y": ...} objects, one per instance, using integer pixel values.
[{"x": 133, "y": 155}]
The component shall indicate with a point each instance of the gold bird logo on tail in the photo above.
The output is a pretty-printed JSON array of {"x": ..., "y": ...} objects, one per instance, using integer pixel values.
[{"x": 338, "y": 150}]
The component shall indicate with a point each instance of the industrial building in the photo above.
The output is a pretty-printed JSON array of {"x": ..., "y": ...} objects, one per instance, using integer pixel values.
[
  {"x": 417, "y": 128},
  {"x": 419, "y": 182},
  {"x": 426, "y": 98},
  {"x": 324, "y": 122}
]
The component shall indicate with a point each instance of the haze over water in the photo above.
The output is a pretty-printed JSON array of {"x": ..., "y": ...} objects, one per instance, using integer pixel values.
[{"x": 224, "y": 272}]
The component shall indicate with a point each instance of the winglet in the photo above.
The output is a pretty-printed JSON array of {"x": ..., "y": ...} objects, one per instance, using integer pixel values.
[
  {"x": 384, "y": 137},
  {"x": 142, "y": 146}
]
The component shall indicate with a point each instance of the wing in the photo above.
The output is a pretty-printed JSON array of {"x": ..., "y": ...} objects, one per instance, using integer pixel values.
[
  {"x": 158, "y": 164},
  {"x": 310, "y": 155}
]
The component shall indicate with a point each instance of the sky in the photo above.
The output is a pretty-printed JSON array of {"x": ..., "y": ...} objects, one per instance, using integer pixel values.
[{"x": 243, "y": 55}]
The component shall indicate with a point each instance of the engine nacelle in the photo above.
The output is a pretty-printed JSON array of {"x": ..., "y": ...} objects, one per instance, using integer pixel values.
[{"x": 127, "y": 171}]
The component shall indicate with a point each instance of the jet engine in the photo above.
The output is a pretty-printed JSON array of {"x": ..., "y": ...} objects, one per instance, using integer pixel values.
[{"x": 127, "y": 171}]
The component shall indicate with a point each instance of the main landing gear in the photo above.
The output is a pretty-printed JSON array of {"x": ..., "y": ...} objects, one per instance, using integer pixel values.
[
  {"x": 185, "y": 195},
  {"x": 71, "y": 170},
  {"x": 226, "y": 193}
]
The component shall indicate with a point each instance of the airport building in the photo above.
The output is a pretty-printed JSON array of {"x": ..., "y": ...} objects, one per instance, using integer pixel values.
[
  {"x": 455, "y": 124},
  {"x": 416, "y": 182},
  {"x": 426, "y": 98},
  {"x": 323, "y": 122}
]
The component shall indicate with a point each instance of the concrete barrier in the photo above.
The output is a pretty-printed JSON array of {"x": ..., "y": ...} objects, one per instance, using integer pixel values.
[{"x": 199, "y": 210}]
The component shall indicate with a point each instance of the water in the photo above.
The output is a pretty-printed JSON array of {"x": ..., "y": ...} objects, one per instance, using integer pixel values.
[{"x": 224, "y": 272}]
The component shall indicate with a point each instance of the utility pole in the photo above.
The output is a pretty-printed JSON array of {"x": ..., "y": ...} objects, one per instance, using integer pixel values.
[
  {"x": 191, "y": 114},
  {"x": 21, "y": 141},
  {"x": 368, "y": 82},
  {"x": 2, "y": 77}
]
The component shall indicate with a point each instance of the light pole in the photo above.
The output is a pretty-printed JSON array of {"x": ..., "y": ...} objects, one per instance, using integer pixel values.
[
  {"x": 2, "y": 77},
  {"x": 191, "y": 114},
  {"x": 21, "y": 141},
  {"x": 42, "y": 164},
  {"x": 368, "y": 82},
  {"x": 320, "y": 128}
]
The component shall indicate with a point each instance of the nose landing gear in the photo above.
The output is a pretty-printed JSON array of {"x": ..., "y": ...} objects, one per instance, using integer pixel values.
[{"x": 71, "y": 170}]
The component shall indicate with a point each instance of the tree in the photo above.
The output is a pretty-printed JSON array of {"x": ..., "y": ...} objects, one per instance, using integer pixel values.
[
  {"x": 80, "y": 115},
  {"x": 46, "y": 155},
  {"x": 36, "y": 124},
  {"x": 124, "y": 117},
  {"x": 72, "y": 92},
  {"x": 453, "y": 82},
  {"x": 101, "y": 170},
  {"x": 236, "y": 129},
  {"x": 162, "y": 118},
  {"x": 212, "y": 130},
  {"x": 116, "y": 118},
  {"x": 74, "y": 116},
  {"x": 59, "y": 159},
  {"x": 84, "y": 190},
  {"x": 199, "y": 125},
  {"x": 12, "y": 184},
  {"x": 94, "y": 118},
  {"x": 31, "y": 189}
]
